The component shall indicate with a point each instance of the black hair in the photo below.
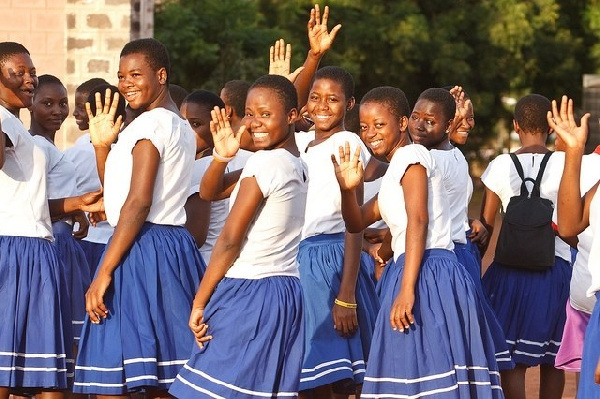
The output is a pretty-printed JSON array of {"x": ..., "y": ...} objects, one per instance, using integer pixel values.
[
  {"x": 9, "y": 49},
  {"x": 155, "y": 52},
  {"x": 530, "y": 113},
  {"x": 443, "y": 97},
  {"x": 205, "y": 98},
  {"x": 102, "y": 90},
  {"x": 178, "y": 94},
  {"x": 282, "y": 87},
  {"x": 87, "y": 86},
  {"x": 48, "y": 79},
  {"x": 392, "y": 97},
  {"x": 338, "y": 75},
  {"x": 235, "y": 95}
]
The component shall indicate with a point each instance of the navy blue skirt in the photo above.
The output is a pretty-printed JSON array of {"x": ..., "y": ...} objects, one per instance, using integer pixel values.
[
  {"x": 530, "y": 307},
  {"x": 328, "y": 357},
  {"x": 257, "y": 345},
  {"x": 93, "y": 253},
  {"x": 35, "y": 327},
  {"x": 145, "y": 340},
  {"x": 448, "y": 352}
]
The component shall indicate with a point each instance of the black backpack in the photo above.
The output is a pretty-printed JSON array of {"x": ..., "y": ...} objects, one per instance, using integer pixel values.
[{"x": 526, "y": 238}]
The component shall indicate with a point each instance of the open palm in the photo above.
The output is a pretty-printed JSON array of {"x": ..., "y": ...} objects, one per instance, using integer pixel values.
[
  {"x": 319, "y": 37},
  {"x": 104, "y": 129},
  {"x": 227, "y": 143},
  {"x": 562, "y": 121},
  {"x": 348, "y": 171}
]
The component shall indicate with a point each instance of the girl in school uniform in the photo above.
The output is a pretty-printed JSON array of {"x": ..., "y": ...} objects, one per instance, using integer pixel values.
[
  {"x": 49, "y": 109},
  {"x": 339, "y": 293},
  {"x": 575, "y": 214},
  {"x": 530, "y": 305},
  {"x": 35, "y": 332},
  {"x": 431, "y": 335},
  {"x": 247, "y": 314},
  {"x": 135, "y": 336}
]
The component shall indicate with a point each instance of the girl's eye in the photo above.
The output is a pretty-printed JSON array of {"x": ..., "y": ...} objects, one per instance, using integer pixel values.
[
  {"x": 314, "y": 98},
  {"x": 414, "y": 117},
  {"x": 265, "y": 114},
  {"x": 332, "y": 100},
  {"x": 64, "y": 104},
  {"x": 363, "y": 127},
  {"x": 430, "y": 122},
  {"x": 248, "y": 115},
  {"x": 379, "y": 125},
  {"x": 196, "y": 124},
  {"x": 120, "y": 77}
]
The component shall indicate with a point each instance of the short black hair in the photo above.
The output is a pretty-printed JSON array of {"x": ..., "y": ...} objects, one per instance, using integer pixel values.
[
  {"x": 155, "y": 52},
  {"x": 8, "y": 49},
  {"x": 281, "y": 86},
  {"x": 392, "y": 97},
  {"x": 87, "y": 86},
  {"x": 443, "y": 97},
  {"x": 340, "y": 76},
  {"x": 47, "y": 80},
  {"x": 102, "y": 90},
  {"x": 178, "y": 94},
  {"x": 235, "y": 95},
  {"x": 205, "y": 98},
  {"x": 530, "y": 113}
]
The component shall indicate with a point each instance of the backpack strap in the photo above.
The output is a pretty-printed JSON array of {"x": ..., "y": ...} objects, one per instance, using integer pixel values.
[
  {"x": 515, "y": 159},
  {"x": 535, "y": 191},
  {"x": 538, "y": 179}
]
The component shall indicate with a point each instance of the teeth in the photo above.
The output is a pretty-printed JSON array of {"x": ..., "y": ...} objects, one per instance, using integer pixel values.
[
  {"x": 260, "y": 135},
  {"x": 376, "y": 143},
  {"x": 322, "y": 116}
]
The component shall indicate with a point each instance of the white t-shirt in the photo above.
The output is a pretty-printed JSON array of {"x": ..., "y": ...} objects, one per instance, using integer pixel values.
[
  {"x": 61, "y": 181},
  {"x": 174, "y": 139},
  {"x": 271, "y": 245},
  {"x": 454, "y": 170},
  {"x": 324, "y": 199},
  {"x": 392, "y": 206},
  {"x": 594, "y": 257},
  {"x": 23, "y": 201},
  {"x": 83, "y": 156},
  {"x": 502, "y": 178},
  {"x": 371, "y": 189},
  {"x": 218, "y": 209}
]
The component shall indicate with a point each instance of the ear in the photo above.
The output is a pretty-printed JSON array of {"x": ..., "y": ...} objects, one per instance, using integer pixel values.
[
  {"x": 403, "y": 123},
  {"x": 162, "y": 76},
  {"x": 229, "y": 111},
  {"x": 292, "y": 116},
  {"x": 449, "y": 125},
  {"x": 350, "y": 104},
  {"x": 516, "y": 126}
]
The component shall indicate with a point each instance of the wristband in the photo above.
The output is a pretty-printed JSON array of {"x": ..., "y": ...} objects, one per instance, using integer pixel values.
[
  {"x": 220, "y": 158},
  {"x": 345, "y": 304}
]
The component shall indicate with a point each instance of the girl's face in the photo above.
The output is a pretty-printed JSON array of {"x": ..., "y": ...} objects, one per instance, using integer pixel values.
[
  {"x": 427, "y": 125},
  {"x": 18, "y": 81},
  {"x": 327, "y": 104},
  {"x": 266, "y": 119},
  {"x": 50, "y": 106},
  {"x": 199, "y": 118},
  {"x": 138, "y": 83},
  {"x": 460, "y": 135},
  {"x": 79, "y": 112},
  {"x": 380, "y": 129}
]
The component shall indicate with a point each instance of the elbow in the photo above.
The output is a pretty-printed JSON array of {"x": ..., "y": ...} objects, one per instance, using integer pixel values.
[{"x": 138, "y": 207}]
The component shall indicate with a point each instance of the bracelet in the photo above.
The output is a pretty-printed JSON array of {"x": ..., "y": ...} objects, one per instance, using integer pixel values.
[
  {"x": 220, "y": 158},
  {"x": 345, "y": 304}
]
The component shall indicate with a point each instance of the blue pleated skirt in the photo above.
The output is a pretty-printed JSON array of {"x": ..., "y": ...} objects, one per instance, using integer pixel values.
[
  {"x": 76, "y": 270},
  {"x": 448, "y": 352},
  {"x": 467, "y": 258},
  {"x": 93, "y": 253},
  {"x": 145, "y": 340},
  {"x": 257, "y": 345},
  {"x": 471, "y": 246},
  {"x": 328, "y": 357},
  {"x": 35, "y": 320},
  {"x": 530, "y": 307},
  {"x": 591, "y": 354}
]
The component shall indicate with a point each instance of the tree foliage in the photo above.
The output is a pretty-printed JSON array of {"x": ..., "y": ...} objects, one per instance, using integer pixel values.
[{"x": 496, "y": 49}]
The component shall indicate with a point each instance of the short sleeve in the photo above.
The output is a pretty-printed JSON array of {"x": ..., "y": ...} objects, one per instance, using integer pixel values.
[
  {"x": 149, "y": 126},
  {"x": 410, "y": 155},
  {"x": 266, "y": 168},
  {"x": 487, "y": 178}
]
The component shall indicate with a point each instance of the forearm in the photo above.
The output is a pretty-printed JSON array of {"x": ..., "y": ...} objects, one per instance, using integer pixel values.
[
  {"x": 304, "y": 79},
  {"x": 416, "y": 236},
  {"x": 570, "y": 204},
  {"x": 351, "y": 212},
  {"x": 2, "y": 147},
  {"x": 352, "y": 250},
  {"x": 61, "y": 207},
  {"x": 212, "y": 183},
  {"x": 101, "y": 155}
]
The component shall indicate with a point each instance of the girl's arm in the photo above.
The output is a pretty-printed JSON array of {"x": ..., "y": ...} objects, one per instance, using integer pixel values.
[
  {"x": 414, "y": 183},
  {"x": 2, "y": 146},
  {"x": 134, "y": 212},
  {"x": 489, "y": 209},
  {"x": 198, "y": 218},
  {"x": 226, "y": 251},
  {"x": 573, "y": 211}
]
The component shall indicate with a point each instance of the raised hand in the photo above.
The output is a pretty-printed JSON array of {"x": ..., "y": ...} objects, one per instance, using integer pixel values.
[
  {"x": 562, "y": 121},
  {"x": 348, "y": 172},
  {"x": 226, "y": 142},
  {"x": 319, "y": 37},
  {"x": 462, "y": 106},
  {"x": 280, "y": 57},
  {"x": 104, "y": 129}
]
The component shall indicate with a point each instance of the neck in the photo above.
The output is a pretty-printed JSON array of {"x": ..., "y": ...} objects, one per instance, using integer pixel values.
[
  {"x": 37, "y": 130},
  {"x": 401, "y": 143}
]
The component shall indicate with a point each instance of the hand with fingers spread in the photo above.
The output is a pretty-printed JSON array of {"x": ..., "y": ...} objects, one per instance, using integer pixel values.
[
  {"x": 319, "y": 37},
  {"x": 104, "y": 129},
  {"x": 462, "y": 107},
  {"x": 226, "y": 142},
  {"x": 349, "y": 171},
  {"x": 280, "y": 60},
  {"x": 401, "y": 316},
  {"x": 563, "y": 122},
  {"x": 198, "y": 327}
]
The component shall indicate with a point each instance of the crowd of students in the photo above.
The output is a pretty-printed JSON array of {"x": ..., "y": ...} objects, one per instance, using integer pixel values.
[{"x": 281, "y": 239}]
